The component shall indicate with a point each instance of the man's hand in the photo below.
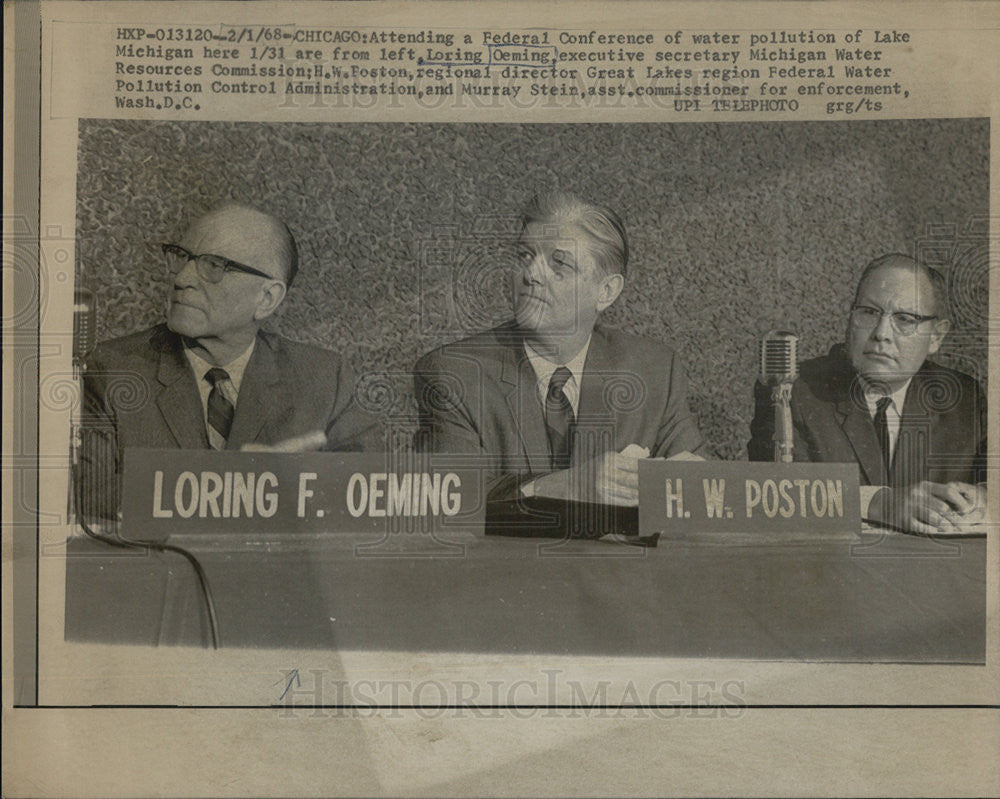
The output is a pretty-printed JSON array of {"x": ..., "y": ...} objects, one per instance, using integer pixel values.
[
  {"x": 611, "y": 479},
  {"x": 930, "y": 508},
  {"x": 308, "y": 442}
]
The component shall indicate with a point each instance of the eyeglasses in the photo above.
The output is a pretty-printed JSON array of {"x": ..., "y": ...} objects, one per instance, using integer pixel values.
[
  {"x": 905, "y": 324},
  {"x": 211, "y": 268}
]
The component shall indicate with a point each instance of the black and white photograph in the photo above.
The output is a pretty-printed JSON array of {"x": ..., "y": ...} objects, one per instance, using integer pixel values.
[
  {"x": 413, "y": 290},
  {"x": 535, "y": 399}
]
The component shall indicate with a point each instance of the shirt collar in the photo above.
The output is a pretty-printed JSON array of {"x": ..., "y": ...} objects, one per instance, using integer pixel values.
[
  {"x": 544, "y": 368},
  {"x": 873, "y": 395},
  {"x": 235, "y": 368}
]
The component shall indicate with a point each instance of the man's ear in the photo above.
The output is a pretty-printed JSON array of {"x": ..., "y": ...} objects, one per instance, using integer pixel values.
[
  {"x": 941, "y": 328},
  {"x": 611, "y": 287},
  {"x": 270, "y": 298}
]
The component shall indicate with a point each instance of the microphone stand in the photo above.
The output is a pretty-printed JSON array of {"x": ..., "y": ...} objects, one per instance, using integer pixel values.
[
  {"x": 77, "y": 502},
  {"x": 781, "y": 398}
]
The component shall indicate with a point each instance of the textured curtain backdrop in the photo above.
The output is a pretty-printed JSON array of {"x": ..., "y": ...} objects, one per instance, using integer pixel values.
[{"x": 405, "y": 230}]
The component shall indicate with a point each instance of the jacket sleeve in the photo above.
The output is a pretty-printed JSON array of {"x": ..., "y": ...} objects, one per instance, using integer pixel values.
[
  {"x": 448, "y": 425},
  {"x": 982, "y": 450},
  {"x": 352, "y": 424},
  {"x": 678, "y": 428}
]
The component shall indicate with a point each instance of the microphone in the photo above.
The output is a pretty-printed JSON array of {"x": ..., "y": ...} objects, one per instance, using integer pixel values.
[
  {"x": 779, "y": 369},
  {"x": 84, "y": 338},
  {"x": 84, "y": 498},
  {"x": 84, "y": 324}
]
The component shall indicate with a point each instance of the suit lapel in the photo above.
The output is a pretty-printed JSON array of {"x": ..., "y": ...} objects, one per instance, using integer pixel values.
[
  {"x": 594, "y": 432},
  {"x": 860, "y": 432},
  {"x": 262, "y": 396},
  {"x": 596, "y": 370},
  {"x": 521, "y": 395},
  {"x": 178, "y": 398}
]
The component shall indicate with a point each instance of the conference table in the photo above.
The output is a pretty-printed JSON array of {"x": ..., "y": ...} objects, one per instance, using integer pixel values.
[{"x": 865, "y": 596}]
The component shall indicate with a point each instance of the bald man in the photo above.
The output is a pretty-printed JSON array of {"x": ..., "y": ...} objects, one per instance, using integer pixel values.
[
  {"x": 210, "y": 377},
  {"x": 917, "y": 430}
]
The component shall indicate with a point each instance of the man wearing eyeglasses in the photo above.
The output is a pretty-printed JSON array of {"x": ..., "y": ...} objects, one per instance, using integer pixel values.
[
  {"x": 209, "y": 376},
  {"x": 917, "y": 430}
]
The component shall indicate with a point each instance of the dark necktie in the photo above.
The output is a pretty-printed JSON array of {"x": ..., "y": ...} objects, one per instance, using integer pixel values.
[
  {"x": 559, "y": 419},
  {"x": 220, "y": 409},
  {"x": 882, "y": 431}
]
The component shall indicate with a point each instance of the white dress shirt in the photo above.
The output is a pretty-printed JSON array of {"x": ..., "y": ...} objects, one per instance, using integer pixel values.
[
  {"x": 893, "y": 413},
  {"x": 544, "y": 369},
  {"x": 230, "y": 388}
]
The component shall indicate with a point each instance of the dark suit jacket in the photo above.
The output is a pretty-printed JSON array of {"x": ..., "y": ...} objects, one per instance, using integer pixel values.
[
  {"x": 140, "y": 391},
  {"x": 479, "y": 396},
  {"x": 942, "y": 435}
]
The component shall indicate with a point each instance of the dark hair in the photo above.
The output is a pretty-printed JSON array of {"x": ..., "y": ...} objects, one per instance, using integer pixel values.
[
  {"x": 291, "y": 253},
  {"x": 602, "y": 224},
  {"x": 897, "y": 260}
]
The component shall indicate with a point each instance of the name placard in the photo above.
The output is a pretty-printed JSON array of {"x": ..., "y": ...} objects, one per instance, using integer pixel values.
[
  {"x": 167, "y": 492},
  {"x": 684, "y": 498}
]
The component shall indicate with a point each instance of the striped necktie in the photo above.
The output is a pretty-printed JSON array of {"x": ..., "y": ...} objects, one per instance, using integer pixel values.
[
  {"x": 220, "y": 409},
  {"x": 559, "y": 419}
]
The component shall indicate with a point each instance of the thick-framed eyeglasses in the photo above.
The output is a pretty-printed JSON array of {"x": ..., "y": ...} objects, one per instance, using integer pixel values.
[
  {"x": 211, "y": 268},
  {"x": 864, "y": 317}
]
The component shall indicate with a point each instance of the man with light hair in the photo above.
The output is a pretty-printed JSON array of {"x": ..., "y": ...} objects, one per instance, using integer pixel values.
[
  {"x": 209, "y": 376},
  {"x": 557, "y": 404}
]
